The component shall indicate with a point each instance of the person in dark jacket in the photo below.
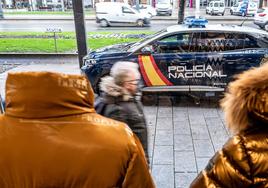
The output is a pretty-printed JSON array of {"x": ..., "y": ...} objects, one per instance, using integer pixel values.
[
  {"x": 118, "y": 99},
  {"x": 243, "y": 160}
]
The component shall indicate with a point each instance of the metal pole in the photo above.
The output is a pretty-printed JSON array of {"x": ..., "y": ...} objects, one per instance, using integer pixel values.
[
  {"x": 181, "y": 11},
  {"x": 197, "y": 8},
  {"x": 1, "y": 10},
  {"x": 80, "y": 29},
  {"x": 55, "y": 42}
]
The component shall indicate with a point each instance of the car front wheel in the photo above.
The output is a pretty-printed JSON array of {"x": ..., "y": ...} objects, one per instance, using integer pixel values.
[
  {"x": 231, "y": 12},
  {"x": 140, "y": 23},
  {"x": 104, "y": 23}
]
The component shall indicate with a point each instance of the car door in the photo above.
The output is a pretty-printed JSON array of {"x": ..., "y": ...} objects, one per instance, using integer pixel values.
[
  {"x": 169, "y": 62},
  {"x": 127, "y": 15},
  {"x": 220, "y": 56}
]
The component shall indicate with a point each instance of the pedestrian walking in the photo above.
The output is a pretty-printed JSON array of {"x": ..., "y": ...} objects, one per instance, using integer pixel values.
[
  {"x": 243, "y": 160},
  {"x": 118, "y": 99},
  {"x": 51, "y": 136}
]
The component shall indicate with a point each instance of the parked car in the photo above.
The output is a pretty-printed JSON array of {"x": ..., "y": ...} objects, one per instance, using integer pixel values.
[
  {"x": 146, "y": 9},
  {"x": 244, "y": 9},
  {"x": 261, "y": 18},
  {"x": 215, "y": 7},
  {"x": 116, "y": 13},
  {"x": 163, "y": 7},
  {"x": 185, "y": 59}
]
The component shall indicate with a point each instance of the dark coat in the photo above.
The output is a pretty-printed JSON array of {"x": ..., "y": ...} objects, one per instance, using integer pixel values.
[
  {"x": 128, "y": 111},
  {"x": 117, "y": 104}
]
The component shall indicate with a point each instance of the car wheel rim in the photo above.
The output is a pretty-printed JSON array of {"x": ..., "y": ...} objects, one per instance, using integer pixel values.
[
  {"x": 103, "y": 23},
  {"x": 140, "y": 23}
]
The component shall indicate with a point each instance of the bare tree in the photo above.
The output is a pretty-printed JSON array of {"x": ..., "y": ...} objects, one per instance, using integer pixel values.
[{"x": 181, "y": 11}]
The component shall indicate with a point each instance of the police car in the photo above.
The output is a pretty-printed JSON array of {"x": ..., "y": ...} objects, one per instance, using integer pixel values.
[{"x": 185, "y": 58}]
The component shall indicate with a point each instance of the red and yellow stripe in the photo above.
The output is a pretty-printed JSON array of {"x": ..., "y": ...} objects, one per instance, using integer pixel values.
[{"x": 151, "y": 73}]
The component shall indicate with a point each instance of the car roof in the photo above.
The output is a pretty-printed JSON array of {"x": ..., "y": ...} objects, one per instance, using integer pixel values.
[{"x": 216, "y": 27}]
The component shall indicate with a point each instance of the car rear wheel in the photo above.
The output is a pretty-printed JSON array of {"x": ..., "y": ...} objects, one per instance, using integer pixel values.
[
  {"x": 140, "y": 23},
  {"x": 104, "y": 23}
]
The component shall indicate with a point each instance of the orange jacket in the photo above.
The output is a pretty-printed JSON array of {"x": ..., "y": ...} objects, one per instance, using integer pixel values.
[{"x": 50, "y": 136}]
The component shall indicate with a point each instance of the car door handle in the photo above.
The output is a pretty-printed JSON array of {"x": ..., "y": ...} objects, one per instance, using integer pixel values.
[{"x": 230, "y": 63}]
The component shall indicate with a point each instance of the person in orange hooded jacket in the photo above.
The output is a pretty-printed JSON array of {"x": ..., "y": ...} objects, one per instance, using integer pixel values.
[{"x": 50, "y": 136}]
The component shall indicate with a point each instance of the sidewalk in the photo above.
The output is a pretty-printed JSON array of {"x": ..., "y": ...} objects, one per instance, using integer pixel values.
[
  {"x": 188, "y": 12},
  {"x": 182, "y": 137}
]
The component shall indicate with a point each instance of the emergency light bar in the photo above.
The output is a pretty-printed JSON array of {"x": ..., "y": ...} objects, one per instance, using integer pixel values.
[{"x": 192, "y": 21}]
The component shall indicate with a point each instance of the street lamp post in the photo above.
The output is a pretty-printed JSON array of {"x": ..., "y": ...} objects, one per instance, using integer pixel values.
[
  {"x": 81, "y": 37},
  {"x": 1, "y": 10}
]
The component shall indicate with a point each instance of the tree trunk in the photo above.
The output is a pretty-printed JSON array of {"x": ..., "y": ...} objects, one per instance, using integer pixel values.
[
  {"x": 260, "y": 3},
  {"x": 181, "y": 11}
]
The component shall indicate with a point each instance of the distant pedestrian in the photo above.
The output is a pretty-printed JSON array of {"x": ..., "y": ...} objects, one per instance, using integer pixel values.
[
  {"x": 50, "y": 136},
  {"x": 243, "y": 160},
  {"x": 118, "y": 100}
]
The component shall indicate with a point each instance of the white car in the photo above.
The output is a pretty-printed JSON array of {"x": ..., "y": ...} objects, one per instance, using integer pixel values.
[
  {"x": 261, "y": 18},
  {"x": 119, "y": 14},
  {"x": 244, "y": 9},
  {"x": 146, "y": 9},
  {"x": 215, "y": 7},
  {"x": 163, "y": 7}
]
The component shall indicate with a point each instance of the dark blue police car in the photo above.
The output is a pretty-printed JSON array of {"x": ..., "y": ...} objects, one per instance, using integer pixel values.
[{"x": 185, "y": 59}]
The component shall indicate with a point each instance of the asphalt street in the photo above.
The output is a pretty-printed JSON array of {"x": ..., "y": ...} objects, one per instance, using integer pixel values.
[{"x": 91, "y": 25}]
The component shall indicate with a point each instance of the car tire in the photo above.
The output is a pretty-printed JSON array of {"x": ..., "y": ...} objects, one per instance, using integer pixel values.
[
  {"x": 140, "y": 23},
  {"x": 222, "y": 14},
  {"x": 231, "y": 12},
  {"x": 104, "y": 23},
  {"x": 243, "y": 14}
]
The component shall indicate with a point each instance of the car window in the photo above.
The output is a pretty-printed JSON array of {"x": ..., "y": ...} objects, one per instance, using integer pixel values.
[
  {"x": 221, "y": 5},
  {"x": 221, "y": 41},
  {"x": 216, "y": 4},
  {"x": 256, "y": 41},
  {"x": 177, "y": 43},
  {"x": 127, "y": 10}
]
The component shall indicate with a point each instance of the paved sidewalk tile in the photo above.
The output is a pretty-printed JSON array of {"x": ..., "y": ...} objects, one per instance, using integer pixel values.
[
  {"x": 203, "y": 148},
  {"x": 163, "y": 155},
  {"x": 183, "y": 180},
  {"x": 163, "y": 176},
  {"x": 183, "y": 143},
  {"x": 185, "y": 161},
  {"x": 164, "y": 138}
]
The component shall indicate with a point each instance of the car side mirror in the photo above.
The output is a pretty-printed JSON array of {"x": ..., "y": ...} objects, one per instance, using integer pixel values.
[{"x": 147, "y": 50}]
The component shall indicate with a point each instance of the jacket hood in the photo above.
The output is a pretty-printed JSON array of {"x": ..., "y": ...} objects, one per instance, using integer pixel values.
[
  {"x": 247, "y": 97},
  {"x": 109, "y": 87},
  {"x": 46, "y": 95}
]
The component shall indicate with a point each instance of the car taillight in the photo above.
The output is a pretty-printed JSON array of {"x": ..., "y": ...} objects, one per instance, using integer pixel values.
[{"x": 261, "y": 15}]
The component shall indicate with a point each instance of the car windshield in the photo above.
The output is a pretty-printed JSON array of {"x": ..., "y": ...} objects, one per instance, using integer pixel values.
[{"x": 133, "y": 46}]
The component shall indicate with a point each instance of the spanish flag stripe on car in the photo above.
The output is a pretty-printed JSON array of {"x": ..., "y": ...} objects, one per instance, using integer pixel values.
[{"x": 151, "y": 73}]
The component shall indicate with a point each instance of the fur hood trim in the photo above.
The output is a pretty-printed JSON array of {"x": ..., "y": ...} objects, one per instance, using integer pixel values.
[
  {"x": 247, "y": 95},
  {"x": 108, "y": 86}
]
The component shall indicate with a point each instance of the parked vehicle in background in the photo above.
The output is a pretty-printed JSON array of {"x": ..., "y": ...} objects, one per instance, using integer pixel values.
[
  {"x": 215, "y": 8},
  {"x": 163, "y": 7},
  {"x": 261, "y": 18},
  {"x": 185, "y": 58},
  {"x": 117, "y": 13},
  {"x": 146, "y": 9},
  {"x": 244, "y": 9}
]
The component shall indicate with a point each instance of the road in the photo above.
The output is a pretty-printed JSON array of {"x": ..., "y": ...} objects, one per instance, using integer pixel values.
[{"x": 91, "y": 25}]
